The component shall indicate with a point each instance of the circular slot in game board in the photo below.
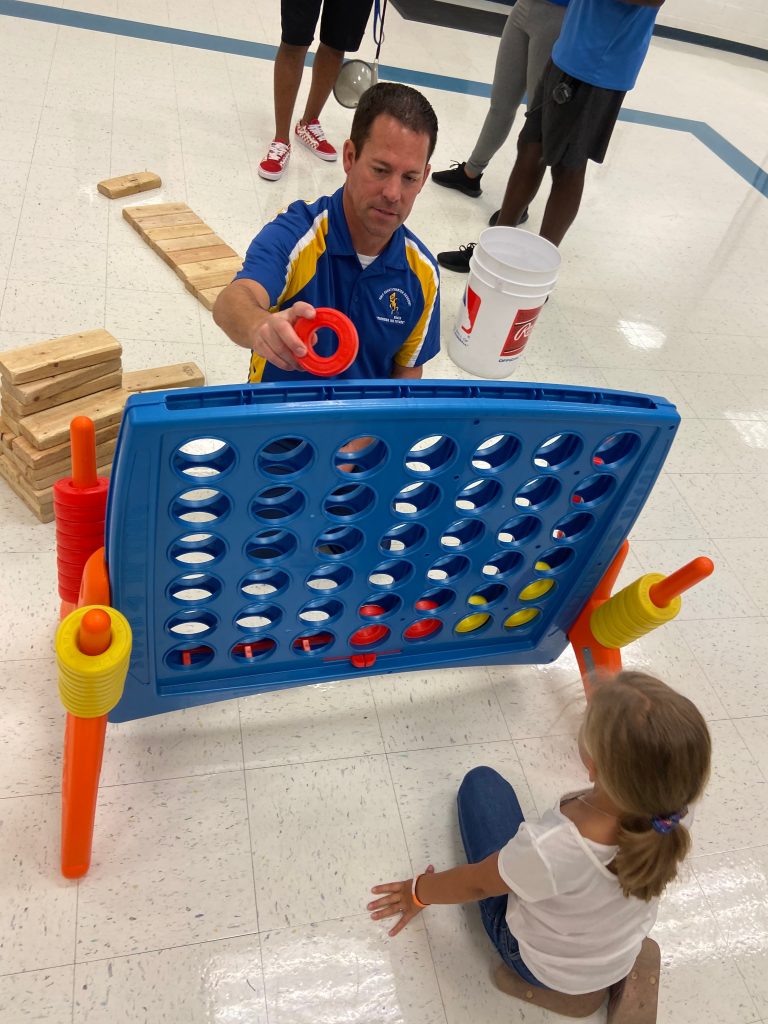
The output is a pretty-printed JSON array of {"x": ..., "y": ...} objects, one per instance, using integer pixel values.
[
  {"x": 319, "y": 611},
  {"x": 557, "y": 451},
  {"x": 201, "y": 505},
  {"x": 478, "y": 495},
  {"x": 415, "y": 499},
  {"x": 255, "y": 617},
  {"x": 496, "y": 453},
  {"x": 522, "y": 618},
  {"x": 349, "y": 501},
  {"x": 573, "y": 527},
  {"x": 477, "y": 621},
  {"x": 402, "y": 538},
  {"x": 203, "y": 457},
  {"x": 380, "y": 606},
  {"x": 390, "y": 574},
  {"x": 615, "y": 449},
  {"x": 503, "y": 564},
  {"x": 252, "y": 649},
  {"x": 555, "y": 559},
  {"x": 264, "y": 583},
  {"x": 538, "y": 588},
  {"x": 191, "y": 624},
  {"x": 439, "y": 597},
  {"x": 194, "y": 588},
  {"x": 369, "y": 636},
  {"x": 362, "y": 456},
  {"x": 431, "y": 455},
  {"x": 518, "y": 530},
  {"x": 278, "y": 503},
  {"x": 593, "y": 490},
  {"x": 189, "y": 656},
  {"x": 448, "y": 569},
  {"x": 313, "y": 643},
  {"x": 329, "y": 578},
  {"x": 285, "y": 456},
  {"x": 338, "y": 542},
  {"x": 488, "y": 595},
  {"x": 197, "y": 549},
  {"x": 462, "y": 535},
  {"x": 537, "y": 493},
  {"x": 270, "y": 546},
  {"x": 423, "y": 629}
]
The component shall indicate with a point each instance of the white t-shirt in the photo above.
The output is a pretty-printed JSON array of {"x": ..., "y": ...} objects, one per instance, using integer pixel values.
[{"x": 577, "y": 931}]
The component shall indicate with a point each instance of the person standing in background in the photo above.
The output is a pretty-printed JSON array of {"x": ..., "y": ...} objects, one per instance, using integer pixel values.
[{"x": 341, "y": 29}]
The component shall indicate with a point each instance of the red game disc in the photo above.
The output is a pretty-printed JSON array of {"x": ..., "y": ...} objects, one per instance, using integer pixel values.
[{"x": 346, "y": 333}]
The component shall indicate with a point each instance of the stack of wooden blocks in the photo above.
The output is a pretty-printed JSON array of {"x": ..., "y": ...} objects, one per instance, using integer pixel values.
[
  {"x": 44, "y": 386},
  {"x": 204, "y": 262}
]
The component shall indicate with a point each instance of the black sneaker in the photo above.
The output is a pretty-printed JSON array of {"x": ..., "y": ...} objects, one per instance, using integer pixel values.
[
  {"x": 494, "y": 218},
  {"x": 457, "y": 178},
  {"x": 457, "y": 259}
]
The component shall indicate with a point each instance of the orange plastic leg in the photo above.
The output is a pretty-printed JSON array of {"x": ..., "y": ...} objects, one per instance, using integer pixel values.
[
  {"x": 591, "y": 656},
  {"x": 83, "y": 752}
]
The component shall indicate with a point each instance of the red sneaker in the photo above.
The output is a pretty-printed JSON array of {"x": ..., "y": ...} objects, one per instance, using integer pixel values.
[
  {"x": 276, "y": 160},
  {"x": 313, "y": 137}
]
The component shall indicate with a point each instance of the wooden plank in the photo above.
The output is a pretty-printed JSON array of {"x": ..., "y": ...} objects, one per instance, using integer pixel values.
[
  {"x": 46, "y": 476},
  {"x": 30, "y": 393},
  {"x": 6, "y": 435},
  {"x": 159, "y": 378},
  {"x": 40, "y": 507},
  {"x": 211, "y": 281},
  {"x": 195, "y": 272},
  {"x": 145, "y": 210},
  {"x": 14, "y": 424},
  {"x": 90, "y": 387},
  {"x": 36, "y": 459},
  {"x": 58, "y": 355},
  {"x": 49, "y": 428},
  {"x": 129, "y": 184},
  {"x": 153, "y": 235},
  {"x": 208, "y": 252},
  {"x": 163, "y": 245},
  {"x": 208, "y": 296},
  {"x": 166, "y": 221}
]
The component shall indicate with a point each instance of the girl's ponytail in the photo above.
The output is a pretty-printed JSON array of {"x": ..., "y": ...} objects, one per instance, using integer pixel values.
[{"x": 651, "y": 750}]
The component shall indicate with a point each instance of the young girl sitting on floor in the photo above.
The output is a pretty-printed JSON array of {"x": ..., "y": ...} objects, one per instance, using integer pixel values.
[{"x": 568, "y": 900}]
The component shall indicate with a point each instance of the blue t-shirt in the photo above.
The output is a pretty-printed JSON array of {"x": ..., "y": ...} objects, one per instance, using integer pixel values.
[
  {"x": 306, "y": 255},
  {"x": 604, "y": 42}
]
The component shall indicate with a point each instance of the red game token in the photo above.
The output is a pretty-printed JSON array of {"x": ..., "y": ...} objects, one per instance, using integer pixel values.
[{"x": 346, "y": 351}]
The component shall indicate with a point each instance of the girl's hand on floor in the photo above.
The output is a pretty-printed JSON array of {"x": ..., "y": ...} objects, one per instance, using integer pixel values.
[{"x": 397, "y": 899}]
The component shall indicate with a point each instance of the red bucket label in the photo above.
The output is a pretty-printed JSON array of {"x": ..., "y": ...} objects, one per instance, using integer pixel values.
[{"x": 519, "y": 332}]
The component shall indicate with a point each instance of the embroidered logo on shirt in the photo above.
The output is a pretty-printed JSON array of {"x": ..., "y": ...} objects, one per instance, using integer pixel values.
[{"x": 392, "y": 299}]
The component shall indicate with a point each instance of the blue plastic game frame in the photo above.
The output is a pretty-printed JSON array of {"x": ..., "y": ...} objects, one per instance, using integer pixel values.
[{"x": 248, "y": 526}]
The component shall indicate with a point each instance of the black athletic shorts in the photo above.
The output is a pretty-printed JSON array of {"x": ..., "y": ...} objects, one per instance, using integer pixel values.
[
  {"x": 576, "y": 130},
  {"x": 342, "y": 26}
]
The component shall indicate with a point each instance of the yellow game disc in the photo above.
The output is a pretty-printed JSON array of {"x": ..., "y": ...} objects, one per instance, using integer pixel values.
[{"x": 521, "y": 618}]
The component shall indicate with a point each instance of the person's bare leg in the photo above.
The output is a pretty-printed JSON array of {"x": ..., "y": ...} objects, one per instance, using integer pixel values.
[
  {"x": 563, "y": 203},
  {"x": 524, "y": 182},
  {"x": 325, "y": 71},
  {"x": 289, "y": 65}
]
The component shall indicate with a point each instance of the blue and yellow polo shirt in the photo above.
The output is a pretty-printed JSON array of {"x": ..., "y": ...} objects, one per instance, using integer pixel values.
[{"x": 306, "y": 254}]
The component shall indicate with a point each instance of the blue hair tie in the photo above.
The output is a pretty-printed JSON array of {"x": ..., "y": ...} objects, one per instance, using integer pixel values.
[{"x": 668, "y": 822}]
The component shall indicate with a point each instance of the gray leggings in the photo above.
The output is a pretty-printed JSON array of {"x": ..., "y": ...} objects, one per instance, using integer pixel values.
[{"x": 526, "y": 44}]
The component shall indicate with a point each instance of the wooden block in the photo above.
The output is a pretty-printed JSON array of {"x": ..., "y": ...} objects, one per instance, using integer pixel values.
[
  {"x": 90, "y": 387},
  {"x": 160, "y": 378},
  {"x": 29, "y": 394},
  {"x": 201, "y": 271},
  {"x": 210, "y": 281},
  {"x": 41, "y": 480},
  {"x": 169, "y": 245},
  {"x": 37, "y": 459},
  {"x": 40, "y": 503},
  {"x": 13, "y": 423},
  {"x": 168, "y": 220},
  {"x": 153, "y": 235},
  {"x": 6, "y": 435},
  {"x": 59, "y": 355},
  {"x": 208, "y": 296},
  {"x": 139, "y": 213},
  {"x": 208, "y": 252},
  {"x": 129, "y": 184},
  {"x": 49, "y": 428}
]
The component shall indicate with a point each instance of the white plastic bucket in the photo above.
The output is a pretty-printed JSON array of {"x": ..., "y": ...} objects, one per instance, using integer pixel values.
[
  {"x": 531, "y": 258},
  {"x": 506, "y": 283},
  {"x": 494, "y": 322}
]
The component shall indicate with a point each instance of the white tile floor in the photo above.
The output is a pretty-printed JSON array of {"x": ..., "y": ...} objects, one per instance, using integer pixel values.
[{"x": 235, "y": 843}]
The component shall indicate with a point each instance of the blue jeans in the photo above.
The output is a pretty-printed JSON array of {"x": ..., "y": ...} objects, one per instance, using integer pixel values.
[{"x": 489, "y": 816}]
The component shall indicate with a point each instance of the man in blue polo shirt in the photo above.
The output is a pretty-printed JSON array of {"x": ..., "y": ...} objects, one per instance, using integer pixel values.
[
  {"x": 570, "y": 119},
  {"x": 349, "y": 251}
]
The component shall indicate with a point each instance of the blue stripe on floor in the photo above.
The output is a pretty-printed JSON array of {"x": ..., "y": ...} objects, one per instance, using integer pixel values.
[{"x": 724, "y": 150}]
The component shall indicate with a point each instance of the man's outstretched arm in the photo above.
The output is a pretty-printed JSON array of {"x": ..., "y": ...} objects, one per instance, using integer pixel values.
[{"x": 242, "y": 312}]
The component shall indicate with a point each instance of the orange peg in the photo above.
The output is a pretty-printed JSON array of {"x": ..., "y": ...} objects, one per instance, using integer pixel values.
[
  {"x": 95, "y": 633},
  {"x": 666, "y": 590},
  {"x": 82, "y": 436}
]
